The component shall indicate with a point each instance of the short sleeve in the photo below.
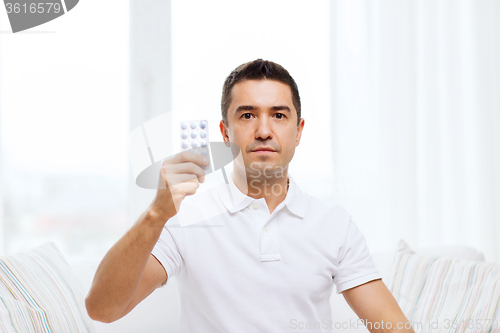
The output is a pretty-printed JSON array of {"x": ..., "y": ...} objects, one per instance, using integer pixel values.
[
  {"x": 355, "y": 262},
  {"x": 167, "y": 253}
]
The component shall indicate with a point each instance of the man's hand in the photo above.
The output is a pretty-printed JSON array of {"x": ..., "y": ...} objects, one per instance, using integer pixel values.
[
  {"x": 375, "y": 305},
  {"x": 179, "y": 177}
]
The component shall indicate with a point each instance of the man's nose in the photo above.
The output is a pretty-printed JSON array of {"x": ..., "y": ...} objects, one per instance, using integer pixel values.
[{"x": 264, "y": 130}]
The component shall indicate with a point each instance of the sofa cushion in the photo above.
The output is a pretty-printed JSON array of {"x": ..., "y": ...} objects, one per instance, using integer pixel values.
[
  {"x": 39, "y": 293},
  {"x": 438, "y": 293}
]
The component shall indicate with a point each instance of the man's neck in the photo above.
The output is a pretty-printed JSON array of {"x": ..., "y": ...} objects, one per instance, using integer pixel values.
[{"x": 273, "y": 190}]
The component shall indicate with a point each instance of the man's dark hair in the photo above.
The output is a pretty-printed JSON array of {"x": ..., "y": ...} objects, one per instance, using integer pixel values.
[{"x": 258, "y": 70}]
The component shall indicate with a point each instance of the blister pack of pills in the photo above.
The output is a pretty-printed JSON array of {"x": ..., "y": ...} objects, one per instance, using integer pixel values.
[{"x": 194, "y": 137}]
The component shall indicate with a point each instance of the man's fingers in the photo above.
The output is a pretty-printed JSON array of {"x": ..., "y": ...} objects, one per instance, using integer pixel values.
[
  {"x": 183, "y": 167},
  {"x": 191, "y": 187},
  {"x": 175, "y": 179},
  {"x": 186, "y": 188},
  {"x": 180, "y": 176}
]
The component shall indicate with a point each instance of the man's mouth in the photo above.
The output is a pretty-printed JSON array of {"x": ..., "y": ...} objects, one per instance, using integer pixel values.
[{"x": 265, "y": 150}]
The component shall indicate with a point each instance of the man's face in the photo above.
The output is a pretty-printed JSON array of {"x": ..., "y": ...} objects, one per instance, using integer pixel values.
[{"x": 262, "y": 121}]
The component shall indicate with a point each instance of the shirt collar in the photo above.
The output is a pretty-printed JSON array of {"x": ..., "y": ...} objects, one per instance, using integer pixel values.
[{"x": 234, "y": 200}]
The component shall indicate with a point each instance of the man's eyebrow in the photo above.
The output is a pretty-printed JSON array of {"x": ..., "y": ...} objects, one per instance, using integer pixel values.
[
  {"x": 281, "y": 108},
  {"x": 245, "y": 108},
  {"x": 251, "y": 108}
]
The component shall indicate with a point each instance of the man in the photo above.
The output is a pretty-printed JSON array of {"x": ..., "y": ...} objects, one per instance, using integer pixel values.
[{"x": 273, "y": 262}]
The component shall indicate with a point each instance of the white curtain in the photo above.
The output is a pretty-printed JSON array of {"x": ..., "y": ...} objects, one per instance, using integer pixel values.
[{"x": 416, "y": 120}]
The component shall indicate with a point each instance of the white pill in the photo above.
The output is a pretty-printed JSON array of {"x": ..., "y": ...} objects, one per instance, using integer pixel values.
[
  {"x": 203, "y": 134},
  {"x": 194, "y": 135},
  {"x": 185, "y": 145},
  {"x": 193, "y": 125},
  {"x": 194, "y": 144},
  {"x": 203, "y": 124},
  {"x": 184, "y": 126},
  {"x": 184, "y": 135},
  {"x": 203, "y": 143}
]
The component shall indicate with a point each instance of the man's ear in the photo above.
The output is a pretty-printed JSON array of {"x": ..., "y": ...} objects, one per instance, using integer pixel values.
[
  {"x": 224, "y": 132},
  {"x": 300, "y": 127}
]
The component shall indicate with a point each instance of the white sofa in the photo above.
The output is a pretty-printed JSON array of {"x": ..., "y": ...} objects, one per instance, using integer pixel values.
[
  {"x": 42, "y": 292},
  {"x": 160, "y": 311}
]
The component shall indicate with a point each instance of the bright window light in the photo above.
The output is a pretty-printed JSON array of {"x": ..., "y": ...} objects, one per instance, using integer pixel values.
[{"x": 64, "y": 126}]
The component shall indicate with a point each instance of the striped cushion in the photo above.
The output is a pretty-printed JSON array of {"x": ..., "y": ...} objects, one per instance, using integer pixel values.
[
  {"x": 40, "y": 293},
  {"x": 438, "y": 294}
]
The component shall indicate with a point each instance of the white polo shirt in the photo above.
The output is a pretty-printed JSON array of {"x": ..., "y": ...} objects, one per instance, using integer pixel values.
[{"x": 241, "y": 269}]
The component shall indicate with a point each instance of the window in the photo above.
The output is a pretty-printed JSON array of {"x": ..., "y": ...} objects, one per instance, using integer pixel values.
[{"x": 64, "y": 128}]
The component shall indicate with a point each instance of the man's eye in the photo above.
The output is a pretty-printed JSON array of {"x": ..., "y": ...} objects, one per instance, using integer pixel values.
[
  {"x": 247, "y": 115},
  {"x": 280, "y": 115}
]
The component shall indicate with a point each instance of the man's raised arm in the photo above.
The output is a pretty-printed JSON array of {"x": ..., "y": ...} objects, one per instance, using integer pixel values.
[{"x": 128, "y": 273}]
